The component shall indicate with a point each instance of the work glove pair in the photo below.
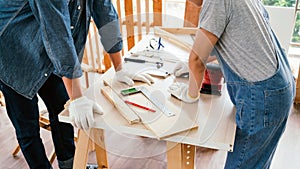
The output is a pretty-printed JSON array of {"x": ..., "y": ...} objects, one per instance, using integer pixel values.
[
  {"x": 180, "y": 90},
  {"x": 128, "y": 77}
]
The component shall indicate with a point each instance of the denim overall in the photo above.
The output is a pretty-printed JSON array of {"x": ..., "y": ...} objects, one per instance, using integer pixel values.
[{"x": 262, "y": 109}]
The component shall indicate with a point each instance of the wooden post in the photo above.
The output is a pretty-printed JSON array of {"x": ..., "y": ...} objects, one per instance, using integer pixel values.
[
  {"x": 98, "y": 136},
  {"x": 129, "y": 24},
  {"x": 85, "y": 58},
  {"x": 173, "y": 155},
  {"x": 98, "y": 53},
  {"x": 180, "y": 156},
  {"x": 188, "y": 156},
  {"x": 192, "y": 13},
  {"x": 81, "y": 154},
  {"x": 147, "y": 16},
  {"x": 2, "y": 102},
  {"x": 157, "y": 10},
  {"x": 139, "y": 19},
  {"x": 91, "y": 49},
  {"x": 118, "y": 3},
  {"x": 84, "y": 140},
  {"x": 107, "y": 61}
]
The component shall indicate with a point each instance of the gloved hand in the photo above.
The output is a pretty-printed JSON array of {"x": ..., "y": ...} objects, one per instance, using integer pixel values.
[
  {"x": 81, "y": 112},
  {"x": 180, "y": 91},
  {"x": 127, "y": 77},
  {"x": 181, "y": 69}
]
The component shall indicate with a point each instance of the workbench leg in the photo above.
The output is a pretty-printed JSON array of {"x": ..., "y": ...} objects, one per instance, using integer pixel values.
[
  {"x": 85, "y": 138},
  {"x": 100, "y": 148},
  {"x": 81, "y": 153},
  {"x": 180, "y": 156}
]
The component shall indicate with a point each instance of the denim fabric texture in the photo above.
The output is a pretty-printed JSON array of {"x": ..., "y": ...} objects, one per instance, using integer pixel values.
[
  {"x": 262, "y": 110},
  {"x": 24, "y": 115},
  {"x": 67, "y": 164},
  {"x": 38, "y": 38}
]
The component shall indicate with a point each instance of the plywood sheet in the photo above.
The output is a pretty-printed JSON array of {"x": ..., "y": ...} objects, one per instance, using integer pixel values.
[{"x": 158, "y": 123}]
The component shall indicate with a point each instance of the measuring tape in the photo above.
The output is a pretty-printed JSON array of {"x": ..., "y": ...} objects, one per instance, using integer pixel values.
[{"x": 147, "y": 93}]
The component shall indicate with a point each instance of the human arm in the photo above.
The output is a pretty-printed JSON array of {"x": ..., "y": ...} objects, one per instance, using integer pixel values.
[
  {"x": 198, "y": 57},
  {"x": 54, "y": 19},
  {"x": 181, "y": 68},
  {"x": 73, "y": 87},
  {"x": 106, "y": 20},
  {"x": 202, "y": 47}
]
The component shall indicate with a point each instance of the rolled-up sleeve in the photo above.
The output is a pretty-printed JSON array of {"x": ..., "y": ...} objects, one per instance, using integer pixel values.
[
  {"x": 54, "y": 19},
  {"x": 106, "y": 19}
]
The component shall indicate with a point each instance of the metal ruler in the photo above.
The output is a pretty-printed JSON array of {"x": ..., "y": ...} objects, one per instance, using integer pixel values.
[{"x": 155, "y": 101}]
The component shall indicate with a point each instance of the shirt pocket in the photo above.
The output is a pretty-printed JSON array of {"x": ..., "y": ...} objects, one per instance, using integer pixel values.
[{"x": 277, "y": 105}]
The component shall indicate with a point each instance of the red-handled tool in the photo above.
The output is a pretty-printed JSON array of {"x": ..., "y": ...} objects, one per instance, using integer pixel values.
[{"x": 213, "y": 79}]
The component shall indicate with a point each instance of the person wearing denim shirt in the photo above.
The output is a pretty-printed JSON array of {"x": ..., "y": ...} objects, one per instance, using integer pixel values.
[
  {"x": 257, "y": 73},
  {"x": 41, "y": 48}
]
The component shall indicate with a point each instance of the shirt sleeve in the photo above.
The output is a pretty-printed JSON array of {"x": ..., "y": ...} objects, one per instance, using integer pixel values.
[
  {"x": 214, "y": 16},
  {"x": 54, "y": 19},
  {"x": 106, "y": 19}
]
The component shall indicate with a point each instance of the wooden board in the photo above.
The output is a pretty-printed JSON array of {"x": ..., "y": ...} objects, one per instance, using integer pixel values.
[
  {"x": 119, "y": 104},
  {"x": 158, "y": 123},
  {"x": 192, "y": 13},
  {"x": 2, "y": 102},
  {"x": 173, "y": 39},
  {"x": 184, "y": 30}
]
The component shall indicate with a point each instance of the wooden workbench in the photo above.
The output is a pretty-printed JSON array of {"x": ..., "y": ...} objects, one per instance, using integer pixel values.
[{"x": 214, "y": 116}]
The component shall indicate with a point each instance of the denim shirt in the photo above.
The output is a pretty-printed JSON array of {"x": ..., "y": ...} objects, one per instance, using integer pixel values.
[{"x": 40, "y": 37}]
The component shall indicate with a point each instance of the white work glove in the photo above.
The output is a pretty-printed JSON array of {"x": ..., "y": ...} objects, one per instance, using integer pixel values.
[
  {"x": 181, "y": 69},
  {"x": 180, "y": 91},
  {"x": 81, "y": 112},
  {"x": 127, "y": 77}
]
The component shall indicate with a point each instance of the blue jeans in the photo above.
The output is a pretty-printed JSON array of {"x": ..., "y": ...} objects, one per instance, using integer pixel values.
[{"x": 24, "y": 115}]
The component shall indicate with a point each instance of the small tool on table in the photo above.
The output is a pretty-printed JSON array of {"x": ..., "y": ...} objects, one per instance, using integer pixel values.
[
  {"x": 158, "y": 64},
  {"x": 212, "y": 81},
  {"x": 154, "y": 43}
]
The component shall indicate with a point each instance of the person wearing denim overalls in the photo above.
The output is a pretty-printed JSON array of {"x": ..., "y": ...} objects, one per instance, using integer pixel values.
[
  {"x": 41, "y": 47},
  {"x": 257, "y": 75}
]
